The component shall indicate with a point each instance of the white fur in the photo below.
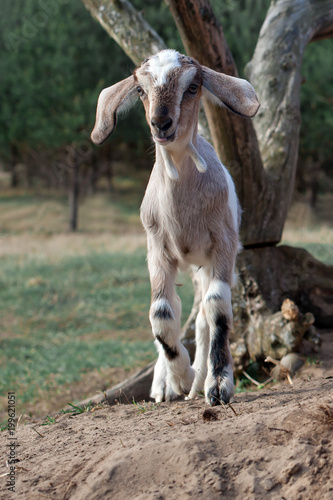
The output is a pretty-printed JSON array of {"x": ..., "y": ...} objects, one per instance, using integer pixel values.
[
  {"x": 222, "y": 294},
  {"x": 197, "y": 159},
  {"x": 127, "y": 104},
  {"x": 202, "y": 352},
  {"x": 161, "y": 65},
  {"x": 186, "y": 77},
  {"x": 169, "y": 165},
  {"x": 233, "y": 202}
]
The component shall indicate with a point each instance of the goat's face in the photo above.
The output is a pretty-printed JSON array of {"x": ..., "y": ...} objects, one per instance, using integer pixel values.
[{"x": 170, "y": 86}]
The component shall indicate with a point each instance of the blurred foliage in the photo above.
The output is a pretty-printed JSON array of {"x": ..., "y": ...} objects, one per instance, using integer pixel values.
[
  {"x": 241, "y": 21},
  {"x": 56, "y": 59},
  {"x": 54, "y": 63},
  {"x": 317, "y": 104}
]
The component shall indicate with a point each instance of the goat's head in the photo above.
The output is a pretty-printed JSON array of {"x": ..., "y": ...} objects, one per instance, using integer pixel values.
[{"x": 170, "y": 86}]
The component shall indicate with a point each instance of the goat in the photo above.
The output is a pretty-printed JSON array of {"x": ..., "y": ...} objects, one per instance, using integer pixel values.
[{"x": 190, "y": 213}]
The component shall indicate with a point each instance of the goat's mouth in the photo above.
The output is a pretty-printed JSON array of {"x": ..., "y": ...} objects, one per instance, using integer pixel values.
[{"x": 164, "y": 140}]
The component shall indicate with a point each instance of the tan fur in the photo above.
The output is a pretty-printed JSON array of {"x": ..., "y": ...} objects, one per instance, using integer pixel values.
[{"x": 190, "y": 213}]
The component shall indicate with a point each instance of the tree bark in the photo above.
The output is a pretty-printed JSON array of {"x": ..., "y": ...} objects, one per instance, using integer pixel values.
[
  {"x": 74, "y": 197},
  {"x": 136, "y": 387},
  {"x": 275, "y": 73},
  {"x": 14, "y": 179},
  {"x": 127, "y": 27}
]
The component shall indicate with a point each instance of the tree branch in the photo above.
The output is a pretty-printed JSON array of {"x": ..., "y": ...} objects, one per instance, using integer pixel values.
[
  {"x": 127, "y": 27},
  {"x": 322, "y": 34}
]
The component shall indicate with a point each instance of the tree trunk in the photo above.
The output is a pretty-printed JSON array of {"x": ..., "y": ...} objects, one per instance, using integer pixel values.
[
  {"x": 14, "y": 179},
  {"x": 275, "y": 73},
  {"x": 74, "y": 197}
]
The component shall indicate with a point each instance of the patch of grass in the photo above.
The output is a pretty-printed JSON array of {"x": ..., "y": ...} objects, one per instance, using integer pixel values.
[
  {"x": 46, "y": 212},
  {"x": 321, "y": 251},
  {"x": 143, "y": 407},
  {"x": 77, "y": 410},
  {"x": 63, "y": 319},
  {"x": 49, "y": 420},
  {"x": 242, "y": 385},
  {"x": 313, "y": 361}
]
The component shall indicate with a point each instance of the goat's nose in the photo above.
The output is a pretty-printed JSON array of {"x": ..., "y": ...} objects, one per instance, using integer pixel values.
[{"x": 161, "y": 123}]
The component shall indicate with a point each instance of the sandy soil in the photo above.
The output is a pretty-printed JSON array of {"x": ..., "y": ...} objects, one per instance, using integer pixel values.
[{"x": 270, "y": 444}]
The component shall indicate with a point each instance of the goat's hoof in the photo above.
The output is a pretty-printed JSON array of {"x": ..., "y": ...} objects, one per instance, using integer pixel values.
[
  {"x": 221, "y": 393},
  {"x": 213, "y": 397},
  {"x": 182, "y": 385}
]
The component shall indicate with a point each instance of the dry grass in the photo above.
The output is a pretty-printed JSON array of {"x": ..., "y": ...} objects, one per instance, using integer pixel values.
[
  {"x": 308, "y": 225},
  {"x": 57, "y": 246}
]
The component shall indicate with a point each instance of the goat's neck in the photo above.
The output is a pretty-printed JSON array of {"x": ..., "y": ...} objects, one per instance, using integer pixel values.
[{"x": 178, "y": 158}]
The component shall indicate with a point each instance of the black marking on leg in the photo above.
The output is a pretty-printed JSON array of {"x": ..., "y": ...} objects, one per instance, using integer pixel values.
[
  {"x": 163, "y": 313},
  {"x": 219, "y": 352},
  {"x": 170, "y": 352}
]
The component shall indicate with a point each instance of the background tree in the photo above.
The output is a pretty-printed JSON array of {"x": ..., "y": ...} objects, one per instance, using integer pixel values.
[{"x": 55, "y": 60}]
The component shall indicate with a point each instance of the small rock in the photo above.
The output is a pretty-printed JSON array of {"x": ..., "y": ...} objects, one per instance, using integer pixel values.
[
  {"x": 217, "y": 486},
  {"x": 268, "y": 484}
]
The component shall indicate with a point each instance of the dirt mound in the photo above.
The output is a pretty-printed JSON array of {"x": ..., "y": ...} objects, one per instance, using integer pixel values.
[{"x": 269, "y": 444}]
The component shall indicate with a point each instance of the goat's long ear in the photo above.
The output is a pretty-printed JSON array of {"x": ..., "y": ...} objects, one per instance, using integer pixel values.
[
  {"x": 112, "y": 101},
  {"x": 235, "y": 93}
]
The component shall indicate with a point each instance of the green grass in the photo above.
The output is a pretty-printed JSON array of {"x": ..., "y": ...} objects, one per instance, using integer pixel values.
[
  {"x": 65, "y": 314},
  {"x": 321, "y": 251},
  {"x": 143, "y": 407},
  {"x": 62, "y": 319},
  {"x": 77, "y": 410}
]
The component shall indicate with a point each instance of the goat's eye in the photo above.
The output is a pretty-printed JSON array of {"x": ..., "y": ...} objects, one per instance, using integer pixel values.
[
  {"x": 193, "y": 89},
  {"x": 140, "y": 91}
]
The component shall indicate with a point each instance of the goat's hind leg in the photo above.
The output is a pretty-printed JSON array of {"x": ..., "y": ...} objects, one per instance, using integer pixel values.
[{"x": 219, "y": 384}]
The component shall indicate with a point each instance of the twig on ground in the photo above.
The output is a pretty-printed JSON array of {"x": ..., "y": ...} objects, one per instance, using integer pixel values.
[{"x": 255, "y": 382}]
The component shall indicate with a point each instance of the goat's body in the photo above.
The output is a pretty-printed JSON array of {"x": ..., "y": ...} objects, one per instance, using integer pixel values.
[
  {"x": 194, "y": 217},
  {"x": 190, "y": 213},
  {"x": 191, "y": 222}
]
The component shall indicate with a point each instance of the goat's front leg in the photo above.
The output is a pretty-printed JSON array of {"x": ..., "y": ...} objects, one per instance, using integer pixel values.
[
  {"x": 173, "y": 374},
  {"x": 219, "y": 383}
]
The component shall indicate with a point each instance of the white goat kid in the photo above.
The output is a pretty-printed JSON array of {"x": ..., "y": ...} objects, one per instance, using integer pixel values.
[{"x": 190, "y": 213}]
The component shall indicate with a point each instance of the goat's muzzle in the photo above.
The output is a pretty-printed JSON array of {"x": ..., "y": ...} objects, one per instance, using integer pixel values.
[{"x": 161, "y": 124}]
